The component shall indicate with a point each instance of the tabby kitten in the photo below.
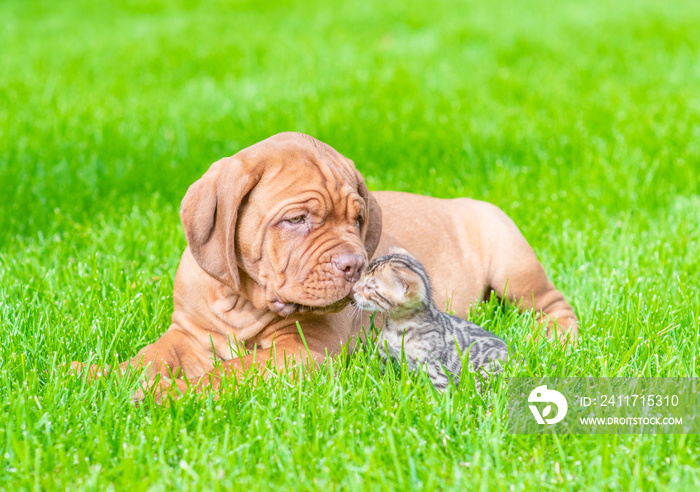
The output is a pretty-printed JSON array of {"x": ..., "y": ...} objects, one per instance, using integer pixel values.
[{"x": 398, "y": 286}]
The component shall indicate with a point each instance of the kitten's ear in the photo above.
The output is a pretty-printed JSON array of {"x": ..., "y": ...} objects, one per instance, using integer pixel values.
[
  {"x": 402, "y": 282},
  {"x": 396, "y": 250}
]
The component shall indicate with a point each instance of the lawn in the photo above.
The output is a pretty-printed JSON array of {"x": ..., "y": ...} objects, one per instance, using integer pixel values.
[{"x": 580, "y": 119}]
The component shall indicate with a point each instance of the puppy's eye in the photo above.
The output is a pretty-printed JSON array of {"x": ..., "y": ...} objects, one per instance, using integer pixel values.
[
  {"x": 300, "y": 219},
  {"x": 359, "y": 222}
]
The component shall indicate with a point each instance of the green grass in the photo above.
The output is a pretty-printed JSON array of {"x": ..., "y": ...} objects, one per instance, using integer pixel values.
[{"x": 580, "y": 119}]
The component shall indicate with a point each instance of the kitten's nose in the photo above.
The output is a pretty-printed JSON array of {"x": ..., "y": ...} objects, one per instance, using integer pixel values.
[{"x": 349, "y": 265}]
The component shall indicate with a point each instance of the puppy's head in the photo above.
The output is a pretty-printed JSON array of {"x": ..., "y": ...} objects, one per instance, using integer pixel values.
[{"x": 288, "y": 223}]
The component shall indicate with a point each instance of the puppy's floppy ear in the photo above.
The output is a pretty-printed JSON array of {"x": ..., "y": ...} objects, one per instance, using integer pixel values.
[
  {"x": 372, "y": 228},
  {"x": 209, "y": 212}
]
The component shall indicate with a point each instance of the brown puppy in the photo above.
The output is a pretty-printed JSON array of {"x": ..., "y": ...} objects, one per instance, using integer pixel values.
[{"x": 279, "y": 233}]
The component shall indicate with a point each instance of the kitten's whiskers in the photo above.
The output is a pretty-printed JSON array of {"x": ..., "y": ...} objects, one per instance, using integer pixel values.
[{"x": 354, "y": 313}]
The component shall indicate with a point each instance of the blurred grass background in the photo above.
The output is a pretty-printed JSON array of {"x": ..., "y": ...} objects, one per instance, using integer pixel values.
[{"x": 580, "y": 119}]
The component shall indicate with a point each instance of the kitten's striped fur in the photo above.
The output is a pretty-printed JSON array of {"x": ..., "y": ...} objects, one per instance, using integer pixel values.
[{"x": 398, "y": 286}]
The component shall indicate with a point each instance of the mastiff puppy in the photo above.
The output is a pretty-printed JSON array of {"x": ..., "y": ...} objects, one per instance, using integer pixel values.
[{"x": 279, "y": 233}]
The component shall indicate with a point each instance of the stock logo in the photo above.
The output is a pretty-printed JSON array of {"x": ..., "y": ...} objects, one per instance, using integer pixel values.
[{"x": 543, "y": 395}]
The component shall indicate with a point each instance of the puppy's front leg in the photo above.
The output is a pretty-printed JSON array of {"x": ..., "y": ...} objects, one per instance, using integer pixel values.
[
  {"x": 170, "y": 356},
  {"x": 283, "y": 356}
]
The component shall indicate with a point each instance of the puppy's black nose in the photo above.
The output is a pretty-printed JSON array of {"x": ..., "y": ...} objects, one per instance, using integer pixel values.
[{"x": 349, "y": 265}]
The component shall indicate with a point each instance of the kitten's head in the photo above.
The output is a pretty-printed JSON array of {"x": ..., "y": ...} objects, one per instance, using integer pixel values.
[{"x": 395, "y": 284}]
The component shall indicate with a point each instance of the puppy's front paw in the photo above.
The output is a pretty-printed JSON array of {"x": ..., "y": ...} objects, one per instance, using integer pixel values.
[
  {"x": 163, "y": 390},
  {"x": 91, "y": 372}
]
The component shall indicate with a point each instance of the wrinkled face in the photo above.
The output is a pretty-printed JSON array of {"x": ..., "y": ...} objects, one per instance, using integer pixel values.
[{"x": 299, "y": 233}]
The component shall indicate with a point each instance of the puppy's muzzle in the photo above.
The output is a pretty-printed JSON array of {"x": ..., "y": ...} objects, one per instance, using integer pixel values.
[{"x": 349, "y": 266}]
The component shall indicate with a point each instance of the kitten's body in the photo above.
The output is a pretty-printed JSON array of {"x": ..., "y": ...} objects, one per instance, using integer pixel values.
[{"x": 414, "y": 328}]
